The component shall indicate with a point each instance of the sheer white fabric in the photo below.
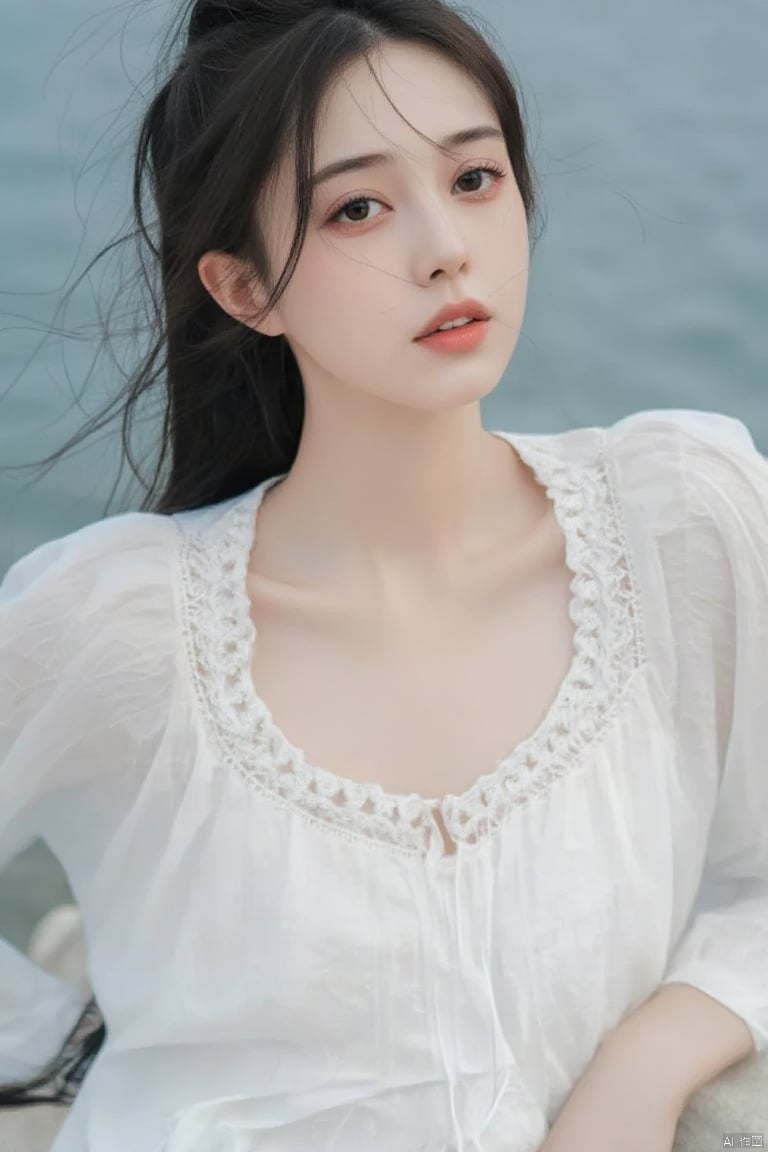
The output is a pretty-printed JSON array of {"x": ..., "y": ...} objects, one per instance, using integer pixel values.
[{"x": 287, "y": 960}]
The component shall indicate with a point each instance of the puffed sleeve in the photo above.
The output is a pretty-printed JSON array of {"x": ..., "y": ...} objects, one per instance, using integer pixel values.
[
  {"x": 723, "y": 949},
  {"x": 58, "y": 605}
]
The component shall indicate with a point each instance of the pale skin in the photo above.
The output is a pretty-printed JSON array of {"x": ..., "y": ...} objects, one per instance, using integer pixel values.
[{"x": 409, "y": 554}]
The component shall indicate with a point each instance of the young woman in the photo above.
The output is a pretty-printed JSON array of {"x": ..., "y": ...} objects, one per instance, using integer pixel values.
[{"x": 410, "y": 777}]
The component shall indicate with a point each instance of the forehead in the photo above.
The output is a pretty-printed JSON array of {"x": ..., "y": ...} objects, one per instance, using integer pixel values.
[{"x": 426, "y": 88}]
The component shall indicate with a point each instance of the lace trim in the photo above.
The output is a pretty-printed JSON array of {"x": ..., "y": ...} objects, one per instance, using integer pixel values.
[{"x": 608, "y": 648}]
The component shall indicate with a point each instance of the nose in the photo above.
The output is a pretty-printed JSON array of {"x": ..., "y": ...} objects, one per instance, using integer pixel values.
[{"x": 439, "y": 243}]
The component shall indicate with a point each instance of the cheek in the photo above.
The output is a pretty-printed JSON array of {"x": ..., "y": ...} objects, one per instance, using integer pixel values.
[
  {"x": 512, "y": 229},
  {"x": 333, "y": 289},
  {"x": 511, "y": 254},
  {"x": 332, "y": 311}
]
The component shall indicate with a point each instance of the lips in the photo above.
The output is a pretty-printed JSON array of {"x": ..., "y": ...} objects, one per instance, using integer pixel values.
[{"x": 467, "y": 309}]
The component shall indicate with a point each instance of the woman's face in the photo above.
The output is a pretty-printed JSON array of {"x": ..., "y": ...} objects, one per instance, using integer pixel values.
[{"x": 428, "y": 229}]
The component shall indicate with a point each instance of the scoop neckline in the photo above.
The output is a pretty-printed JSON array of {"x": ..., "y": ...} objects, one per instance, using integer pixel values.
[{"x": 224, "y": 637}]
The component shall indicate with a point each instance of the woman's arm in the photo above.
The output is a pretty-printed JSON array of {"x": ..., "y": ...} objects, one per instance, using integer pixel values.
[
  {"x": 679, "y": 1039},
  {"x": 646, "y": 1071}
]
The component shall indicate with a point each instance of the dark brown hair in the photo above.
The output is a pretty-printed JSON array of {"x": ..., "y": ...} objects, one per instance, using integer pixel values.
[{"x": 244, "y": 89}]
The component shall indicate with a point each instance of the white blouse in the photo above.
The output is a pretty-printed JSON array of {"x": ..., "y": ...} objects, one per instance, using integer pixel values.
[{"x": 286, "y": 960}]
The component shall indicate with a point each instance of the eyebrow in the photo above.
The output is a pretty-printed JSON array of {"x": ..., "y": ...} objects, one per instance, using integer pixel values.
[{"x": 352, "y": 163}]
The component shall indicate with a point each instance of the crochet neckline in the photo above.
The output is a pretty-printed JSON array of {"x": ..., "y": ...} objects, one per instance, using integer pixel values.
[{"x": 607, "y": 650}]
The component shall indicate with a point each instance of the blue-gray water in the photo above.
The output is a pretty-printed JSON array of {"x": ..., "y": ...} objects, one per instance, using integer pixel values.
[{"x": 649, "y": 129}]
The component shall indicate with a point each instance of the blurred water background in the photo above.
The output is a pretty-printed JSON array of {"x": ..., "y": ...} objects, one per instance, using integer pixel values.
[{"x": 648, "y": 287}]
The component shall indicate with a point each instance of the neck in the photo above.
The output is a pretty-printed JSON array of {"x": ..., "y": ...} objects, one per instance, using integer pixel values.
[{"x": 397, "y": 504}]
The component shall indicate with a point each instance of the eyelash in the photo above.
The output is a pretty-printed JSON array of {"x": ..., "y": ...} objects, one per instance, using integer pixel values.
[{"x": 495, "y": 170}]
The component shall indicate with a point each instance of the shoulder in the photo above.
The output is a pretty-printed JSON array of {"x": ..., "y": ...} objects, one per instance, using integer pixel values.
[
  {"x": 689, "y": 440},
  {"x": 667, "y": 464},
  {"x": 693, "y": 488},
  {"x": 91, "y": 651},
  {"x": 652, "y": 439},
  {"x": 687, "y": 492},
  {"x": 119, "y": 577},
  {"x": 124, "y": 544},
  {"x": 109, "y": 576},
  {"x": 700, "y": 465}
]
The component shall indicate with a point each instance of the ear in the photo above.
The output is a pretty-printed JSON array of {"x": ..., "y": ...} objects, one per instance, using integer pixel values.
[{"x": 231, "y": 284}]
